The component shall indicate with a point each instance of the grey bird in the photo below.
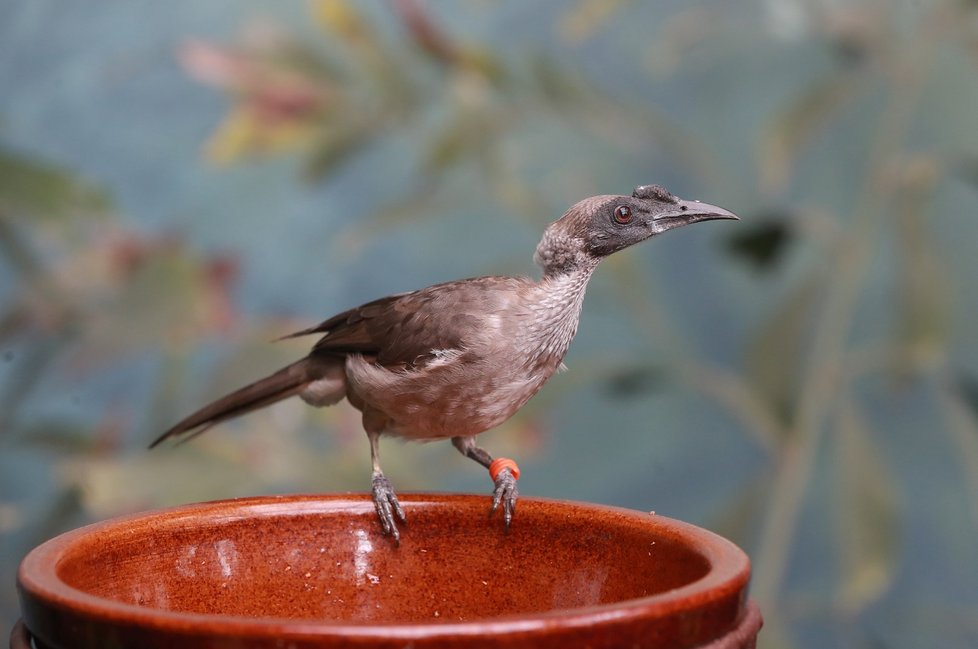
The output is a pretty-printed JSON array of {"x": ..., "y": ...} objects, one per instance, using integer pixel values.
[{"x": 453, "y": 360}]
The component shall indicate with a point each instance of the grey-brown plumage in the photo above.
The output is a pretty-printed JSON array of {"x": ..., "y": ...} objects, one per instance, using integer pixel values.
[{"x": 456, "y": 359}]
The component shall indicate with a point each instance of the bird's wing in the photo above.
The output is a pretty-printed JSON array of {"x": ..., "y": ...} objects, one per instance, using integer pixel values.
[
  {"x": 347, "y": 331},
  {"x": 410, "y": 329}
]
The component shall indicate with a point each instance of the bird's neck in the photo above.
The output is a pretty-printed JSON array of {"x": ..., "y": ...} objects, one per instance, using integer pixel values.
[
  {"x": 554, "y": 309},
  {"x": 561, "y": 254},
  {"x": 564, "y": 291}
]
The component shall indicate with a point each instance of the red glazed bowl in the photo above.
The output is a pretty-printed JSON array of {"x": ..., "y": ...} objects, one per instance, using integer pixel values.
[{"x": 314, "y": 571}]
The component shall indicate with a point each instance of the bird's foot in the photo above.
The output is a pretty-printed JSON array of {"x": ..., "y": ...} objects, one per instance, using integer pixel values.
[
  {"x": 385, "y": 501},
  {"x": 504, "y": 474}
]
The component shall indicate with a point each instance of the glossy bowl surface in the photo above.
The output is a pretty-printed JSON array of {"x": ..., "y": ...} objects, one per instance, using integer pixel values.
[{"x": 314, "y": 571}]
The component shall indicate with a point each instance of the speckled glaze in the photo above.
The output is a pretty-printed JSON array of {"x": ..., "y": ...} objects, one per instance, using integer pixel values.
[{"x": 314, "y": 571}]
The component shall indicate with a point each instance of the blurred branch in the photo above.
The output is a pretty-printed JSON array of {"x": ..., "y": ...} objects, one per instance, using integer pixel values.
[
  {"x": 773, "y": 362},
  {"x": 923, "y": 312},
  {"x": 866, "y": 510},
  {"x": 797, "y": 124}
]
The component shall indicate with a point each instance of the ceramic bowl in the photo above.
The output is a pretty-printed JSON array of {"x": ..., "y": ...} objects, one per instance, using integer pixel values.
[{"x": 315, "y": 571}]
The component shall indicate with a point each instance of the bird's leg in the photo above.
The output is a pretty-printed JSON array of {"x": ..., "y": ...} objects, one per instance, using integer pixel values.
[
  {"x": 385, "y": 500},
  {"x": 504, "y": 473},
  {"x": 466, "y": 446}
]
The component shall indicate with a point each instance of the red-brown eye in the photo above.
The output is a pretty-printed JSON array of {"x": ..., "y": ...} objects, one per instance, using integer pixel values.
[{"x": 623, "y": 214}]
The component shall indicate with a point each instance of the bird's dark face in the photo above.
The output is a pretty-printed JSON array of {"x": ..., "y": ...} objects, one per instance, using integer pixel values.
[
  {"x": 617, "y": 222},
  {"x": 601, "y": 225}
]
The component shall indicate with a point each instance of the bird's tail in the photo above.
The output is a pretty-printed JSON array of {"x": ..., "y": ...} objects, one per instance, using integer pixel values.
[{"x": 285, "y": 383}]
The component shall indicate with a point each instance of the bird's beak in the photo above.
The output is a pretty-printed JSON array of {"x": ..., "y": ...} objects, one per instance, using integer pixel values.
[{"x": 686, "y": 212}]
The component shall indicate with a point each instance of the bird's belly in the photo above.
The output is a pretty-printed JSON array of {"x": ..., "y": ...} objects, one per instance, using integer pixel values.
[
  {"x": 440, "y": 403},
  {"x": 462, "y": 413}
]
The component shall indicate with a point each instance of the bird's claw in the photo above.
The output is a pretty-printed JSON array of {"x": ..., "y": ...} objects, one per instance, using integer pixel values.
[
  {"x": 505, "y": 494},
  {"x": 385, "y": 501}
]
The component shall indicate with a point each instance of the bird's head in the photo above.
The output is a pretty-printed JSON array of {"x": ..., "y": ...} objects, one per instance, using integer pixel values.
[{"x": 601, "y": 225}]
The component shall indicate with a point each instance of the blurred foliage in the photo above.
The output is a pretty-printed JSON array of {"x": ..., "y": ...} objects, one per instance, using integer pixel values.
[
  {"x": 92, "y": 293},
  {"x": 41, "y": 191},
  {"x": 764, "y": 242},
  {"x": 330, "y": 101}
]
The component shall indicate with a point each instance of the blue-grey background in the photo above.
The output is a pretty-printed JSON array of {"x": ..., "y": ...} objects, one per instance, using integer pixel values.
[{"x": 181, "y": 183}]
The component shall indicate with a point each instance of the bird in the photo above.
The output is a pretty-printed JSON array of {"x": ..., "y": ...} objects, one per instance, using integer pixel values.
[{"x": 456, "y": 359}]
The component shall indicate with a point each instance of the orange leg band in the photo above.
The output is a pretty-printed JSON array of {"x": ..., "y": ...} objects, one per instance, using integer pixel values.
[{"x": 501, "y": 463}]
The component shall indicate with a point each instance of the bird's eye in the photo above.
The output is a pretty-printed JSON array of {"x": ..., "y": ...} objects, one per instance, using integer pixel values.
[{"x": 623, "y": 214}]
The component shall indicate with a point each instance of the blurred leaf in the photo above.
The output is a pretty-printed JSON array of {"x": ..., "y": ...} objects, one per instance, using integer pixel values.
[
  {"x": 731, "y": 392},
  {"x": 333, "y": 147},
  {"x": 763, "y": 242},
  {"x": 256, "y": 355},
  {"x": 966, "y": 385},
  {"x": 629, "y": 125},
  {"x": 245, "y": 133},
  {"x": 856, "y": 32},
  {"x": 425, "y": 33},
  {"x": 18, "y": 252},
  {"x": 64, "y": 511},
  {"x": 776, "y": 634},
  {"x": 795, "y": 125},
  {"x": 161, "y": 296},
  {"x": 36, "y": 190},
  {"x": 62, "y": 436},
  {"x": 214, "y": 65},
  {"x": 339, "y": 18},
  {"x": 234, "y": 138},
  {"x": 867, "y": 514},
  {"x": 924, "y": 298},
  {"x": 349, "y": 242},
  {"x": 585, "y": 17},
  {"x": 683, "y": 35},
  {"x": 628, "y": 383},
  {"x": 966, "y": 168},
  {"x": 738, "y": 517},
  {"x": 369, "y": 58},
  {"x": 959, "y": 407},
  {"x": 12, "y": 517},
  {"x": 441, "y": 47},
  {"x": 28, "y": 369},
  {"x": 470, "y": 133},
  {"x": 557, "y": 85},
  {"x": 109, "y": 486},
  {"x": 776, "y": 355}
]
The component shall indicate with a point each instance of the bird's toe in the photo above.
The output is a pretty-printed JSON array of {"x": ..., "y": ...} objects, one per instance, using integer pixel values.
[
  {"x": 387, "y": 506},
  {"x": 505, "y": 493}
]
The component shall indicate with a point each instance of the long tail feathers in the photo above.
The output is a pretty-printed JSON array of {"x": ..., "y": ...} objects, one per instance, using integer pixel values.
[{"x": 282, "y": 384}]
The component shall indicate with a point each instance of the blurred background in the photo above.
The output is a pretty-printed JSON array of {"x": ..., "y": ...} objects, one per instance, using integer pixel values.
[{"x": 182, "y": 182}]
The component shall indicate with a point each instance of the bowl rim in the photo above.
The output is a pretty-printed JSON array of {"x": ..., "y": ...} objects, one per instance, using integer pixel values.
[{"x": 38, "y": 581}]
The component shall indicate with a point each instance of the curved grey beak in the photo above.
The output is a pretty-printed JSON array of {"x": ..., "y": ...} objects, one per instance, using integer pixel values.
[
  {"x": 697, "y": 211},
  {"x": 686, "y": 212}
]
